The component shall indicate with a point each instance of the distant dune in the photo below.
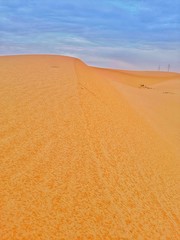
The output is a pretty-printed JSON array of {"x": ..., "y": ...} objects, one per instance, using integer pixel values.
[{"x": 87, "y": 153}]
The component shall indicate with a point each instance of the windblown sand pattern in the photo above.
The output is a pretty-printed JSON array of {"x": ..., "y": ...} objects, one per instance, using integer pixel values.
[{"x": 87, "y": 153}]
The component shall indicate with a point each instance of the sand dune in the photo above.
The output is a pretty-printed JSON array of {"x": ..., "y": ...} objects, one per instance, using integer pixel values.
[{"x": 87, "y": 153}]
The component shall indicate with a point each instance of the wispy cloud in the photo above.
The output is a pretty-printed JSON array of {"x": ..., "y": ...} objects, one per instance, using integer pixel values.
[{"x": 126, "y": 34}]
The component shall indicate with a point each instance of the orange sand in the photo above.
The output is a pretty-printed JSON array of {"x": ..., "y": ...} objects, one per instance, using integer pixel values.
[{"x": 85, "y": 153}]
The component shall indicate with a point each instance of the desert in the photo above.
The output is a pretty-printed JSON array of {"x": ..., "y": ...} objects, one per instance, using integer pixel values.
[{"x": 87, "y": 152}]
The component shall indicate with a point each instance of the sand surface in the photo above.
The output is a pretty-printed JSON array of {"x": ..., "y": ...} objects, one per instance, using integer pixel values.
[{"x": 87, "y": 153}]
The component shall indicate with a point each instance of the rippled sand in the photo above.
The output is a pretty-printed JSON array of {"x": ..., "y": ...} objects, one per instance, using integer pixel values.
[{"x": 87, "y": 153}]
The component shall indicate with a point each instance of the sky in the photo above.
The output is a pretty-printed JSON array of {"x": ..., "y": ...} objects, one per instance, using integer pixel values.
[{"x": 123, "y": 34}]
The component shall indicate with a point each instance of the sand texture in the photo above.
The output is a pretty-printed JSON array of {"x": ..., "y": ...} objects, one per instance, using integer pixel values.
[{"x": 87, "y": 153}]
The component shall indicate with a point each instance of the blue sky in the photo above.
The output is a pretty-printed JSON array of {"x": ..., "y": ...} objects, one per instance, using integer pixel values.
[{"x": 127, "y": 34}]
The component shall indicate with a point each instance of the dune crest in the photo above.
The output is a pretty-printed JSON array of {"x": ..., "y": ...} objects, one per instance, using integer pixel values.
[{"x": 86, "y": 153}]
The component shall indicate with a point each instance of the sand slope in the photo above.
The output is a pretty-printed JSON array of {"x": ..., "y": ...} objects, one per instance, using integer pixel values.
[{"x": 85, "y": 153}]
